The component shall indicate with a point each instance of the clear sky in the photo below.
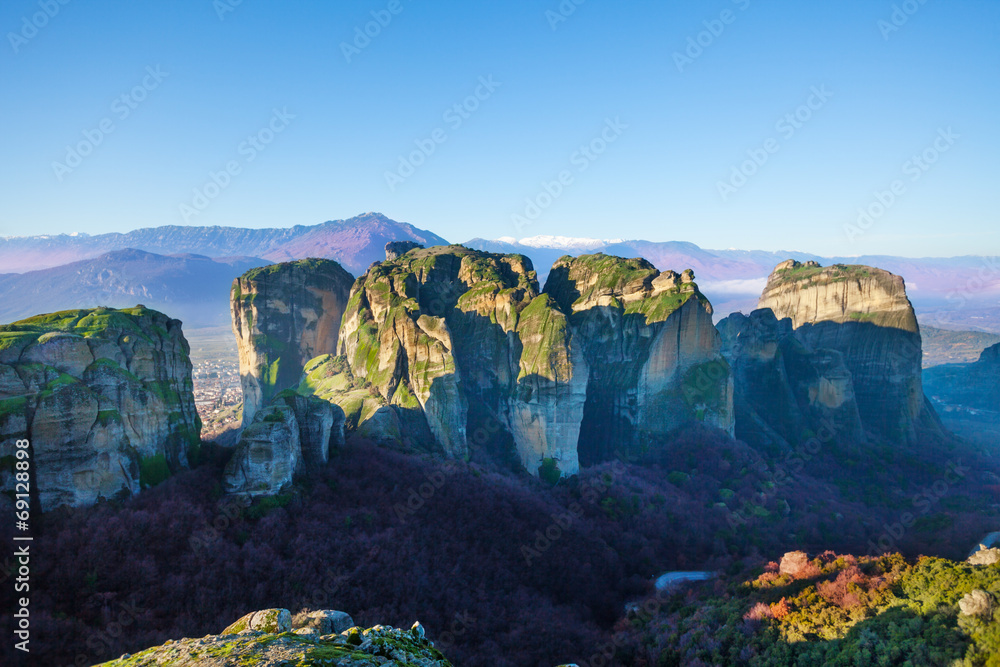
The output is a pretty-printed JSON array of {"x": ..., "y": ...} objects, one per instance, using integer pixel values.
[{"x": 666, "y": 120}]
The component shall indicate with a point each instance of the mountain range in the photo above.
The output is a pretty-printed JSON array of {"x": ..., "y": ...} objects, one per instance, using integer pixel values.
[{"x": 951, "y": 293}]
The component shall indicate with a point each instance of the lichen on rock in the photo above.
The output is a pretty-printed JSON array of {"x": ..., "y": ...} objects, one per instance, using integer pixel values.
[
  {"x": 266, "y": 638},
  {"x": 97, "y": 392},
  {"x": 283, "y": 315}
]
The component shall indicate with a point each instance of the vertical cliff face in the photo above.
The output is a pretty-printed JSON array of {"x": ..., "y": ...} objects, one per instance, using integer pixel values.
[
  {"x": 651, "y": 351},
  {"x": 786, "y": 392},
  {"x": 103, "y": 395},
  {"x": 436, "y": 329},
  {"x": 284, "y": 315},
  {"x": 863, "y": 313},
  {"x": 456, "y": 349}
]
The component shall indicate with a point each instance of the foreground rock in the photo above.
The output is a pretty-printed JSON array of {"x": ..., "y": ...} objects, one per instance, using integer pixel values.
[
  {"x": 105, "y": 398},
  {"x": 266, "y": 638},
  {"x": 864, "y": 314},
  {"x": 283, "y": 316}
]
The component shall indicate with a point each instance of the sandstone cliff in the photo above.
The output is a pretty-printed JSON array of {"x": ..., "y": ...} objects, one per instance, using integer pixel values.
[
  {"x": 786, "y": 392},
  {"x": 863, "y": 313},
  {"x": 275, "y": 637},
  {"x": 291, "y": 432},
  {"x": 453, "y": 350},
  {"x": 650, "y": 351},
  {"x": 284, "y": 315},
  {"x": 435, "y": 329},
  {"x": 104, "y": 396}
]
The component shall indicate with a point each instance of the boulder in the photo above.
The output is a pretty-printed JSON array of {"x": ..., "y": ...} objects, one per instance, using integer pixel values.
[
  {"x": 976, "y": 603},
  {"x": 652, "y": 355},
  {"x": 270, "y": 621},
  {"x": 323, "y": 622}
]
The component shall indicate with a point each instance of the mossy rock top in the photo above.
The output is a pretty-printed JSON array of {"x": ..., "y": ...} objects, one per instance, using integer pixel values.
[
  {"x": 106, "y": 323},
  {"x": 354, "y": 647},
  {"x": 310, "y": 265}
]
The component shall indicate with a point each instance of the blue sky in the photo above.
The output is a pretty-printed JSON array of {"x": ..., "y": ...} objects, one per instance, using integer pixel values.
[{"x": 663, "y": 132}]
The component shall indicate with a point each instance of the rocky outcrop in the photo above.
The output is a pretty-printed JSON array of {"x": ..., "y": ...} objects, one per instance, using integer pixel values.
[
  {"x": 284, "y": 315},
  {"x": 863, "y": 313},
  {"x": 396, "y": 249},
  {"x": 293, "y": 431},
  {"x": 451, "y": 349},
  {"x": 271, "y": 637},
  {"x": 105, "y": 398},
  {"x": 651, "y": 352},
  {"x": 786, "y": 392},
  {"x": 436, "y": 330}
]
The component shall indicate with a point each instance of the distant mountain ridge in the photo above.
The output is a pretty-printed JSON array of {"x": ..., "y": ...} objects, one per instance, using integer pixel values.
[
  {"x": 951, "y": 293},
  {"x": 192, "y": 288},
  {"x": 354, "y": 243}
]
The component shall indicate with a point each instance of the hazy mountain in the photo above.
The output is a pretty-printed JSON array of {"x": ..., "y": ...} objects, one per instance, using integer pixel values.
[
  {"x": 355, "y": 243},
  {"x": 952, "y": 293},
  {"x": 192, "y": 288}
]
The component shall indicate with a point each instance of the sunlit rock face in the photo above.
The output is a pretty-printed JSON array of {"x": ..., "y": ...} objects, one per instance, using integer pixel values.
[
  {"x": 652, "y": 355},
  {"x": 102, "y": 395},
  {"x": 283, "y": 315},
  {"x": 455, "y": 350},
  {"x": 864, "y": 314}
]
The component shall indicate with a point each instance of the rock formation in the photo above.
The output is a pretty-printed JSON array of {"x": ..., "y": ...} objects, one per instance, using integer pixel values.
[
  {"x": 396, "y": 249},
  {"x": 786, "y": 392},
  {"x": 289, "y": 433},
  {"x": 649, "y": 348},
  {"x": 863, "y": 313},
  {"x": 105, "y": 398},
  {"x": 283, "y": 316},
  {"x": 273, "y": 637},
  {"x": 413, "y": 323},
  {"x": 452, "y": 349}
]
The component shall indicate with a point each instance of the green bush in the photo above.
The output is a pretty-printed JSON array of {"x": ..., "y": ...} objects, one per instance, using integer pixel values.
[
  {"x": 153, "y": 470},
  {"x": 549, "y": 471}
]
